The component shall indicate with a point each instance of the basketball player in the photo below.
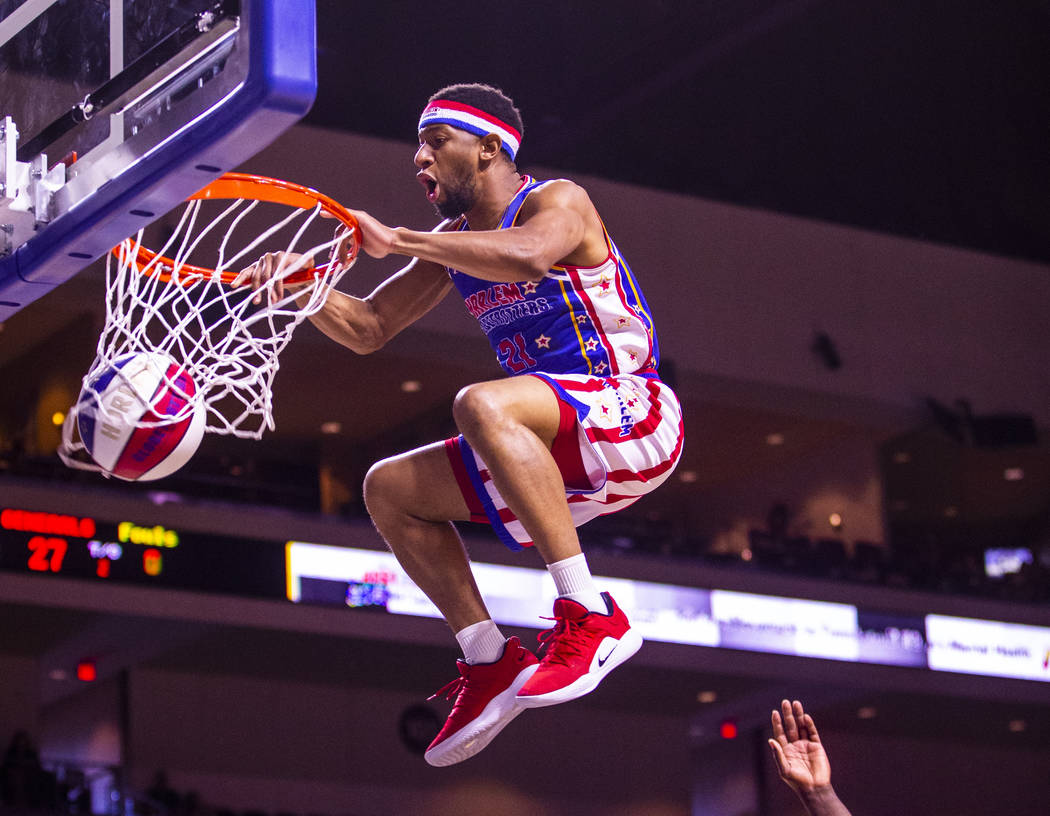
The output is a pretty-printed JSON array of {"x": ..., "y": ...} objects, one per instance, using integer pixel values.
[{"x": 583, "y": 426}]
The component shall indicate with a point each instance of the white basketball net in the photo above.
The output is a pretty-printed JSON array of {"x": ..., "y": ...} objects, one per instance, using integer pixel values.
[{"x": 228, "y": 344}]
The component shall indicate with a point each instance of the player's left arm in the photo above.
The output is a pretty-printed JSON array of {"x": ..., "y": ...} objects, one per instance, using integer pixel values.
[{"x": 557, "y": 225}]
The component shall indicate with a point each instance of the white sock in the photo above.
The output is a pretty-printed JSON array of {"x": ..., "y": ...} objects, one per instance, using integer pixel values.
[
  {"x": 481, "y": 642},
  {"x": 572, "y": 579}
]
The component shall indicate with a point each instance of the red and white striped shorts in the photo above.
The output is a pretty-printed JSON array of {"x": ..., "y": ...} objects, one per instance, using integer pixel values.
[{"x": 619, "y": 438}]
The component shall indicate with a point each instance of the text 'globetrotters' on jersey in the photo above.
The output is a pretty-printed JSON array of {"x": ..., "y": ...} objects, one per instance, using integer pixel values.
[{"x": 576, "y": 320}]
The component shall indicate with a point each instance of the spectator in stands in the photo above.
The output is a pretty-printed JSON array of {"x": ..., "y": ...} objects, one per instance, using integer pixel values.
[
  {"x": 191, "y": 804},
  {"x": 162, "y": 794},
  {"x": 802, "y": 762},
  {"x": 768, "y": 546},
  {"x": 21, "y": 775},
  {"x": 777, "y": 521}
]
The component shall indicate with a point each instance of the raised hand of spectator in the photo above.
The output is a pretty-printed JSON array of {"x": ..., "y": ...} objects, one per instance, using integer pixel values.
[
  {"x": 800, "y": 757},
  {"x": 801, "y": 760}
]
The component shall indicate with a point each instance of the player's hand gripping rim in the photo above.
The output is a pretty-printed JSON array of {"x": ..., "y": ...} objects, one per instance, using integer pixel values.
[
  {"x": 277, "y": 266},
  {"x": 272, "y": 266}
]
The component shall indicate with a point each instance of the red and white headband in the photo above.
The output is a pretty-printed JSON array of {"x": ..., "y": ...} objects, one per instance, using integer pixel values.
[{"x": 471, "y": 119}]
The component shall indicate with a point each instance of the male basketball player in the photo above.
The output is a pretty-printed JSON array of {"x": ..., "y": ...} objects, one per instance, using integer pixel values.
[{"x": 583, "y": 426}]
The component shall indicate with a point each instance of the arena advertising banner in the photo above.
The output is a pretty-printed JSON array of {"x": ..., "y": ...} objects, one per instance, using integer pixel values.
[
  {"x": 988, "y": 647},
  {"x": 138, "y": 551},
  {"x": 321, "y": 574}
]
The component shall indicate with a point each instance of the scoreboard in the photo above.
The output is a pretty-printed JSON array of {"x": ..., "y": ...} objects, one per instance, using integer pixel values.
[{"x": 138, "y": 552}]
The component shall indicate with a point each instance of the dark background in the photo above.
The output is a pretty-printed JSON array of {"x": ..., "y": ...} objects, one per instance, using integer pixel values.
[{"x": 928, "y": 119}]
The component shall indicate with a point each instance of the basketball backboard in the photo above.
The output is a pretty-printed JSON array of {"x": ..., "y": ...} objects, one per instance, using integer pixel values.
[{"x": 112, "y": 112}]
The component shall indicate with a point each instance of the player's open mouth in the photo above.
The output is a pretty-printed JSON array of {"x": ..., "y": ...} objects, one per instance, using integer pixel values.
[{"x": 430, "y": 185}]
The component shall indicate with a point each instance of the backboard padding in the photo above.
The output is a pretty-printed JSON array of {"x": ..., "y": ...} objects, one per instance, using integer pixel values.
[{"x": 135, "y": 167}]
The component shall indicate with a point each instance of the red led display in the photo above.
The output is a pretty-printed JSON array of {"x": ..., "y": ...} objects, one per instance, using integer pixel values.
[
  {"x": 139, "y": 551},
  {"x": 31, "y": 521},
  {"x": 46, "y": 554},
  {"x": 727, "y": 729},
  {"x": 86, "y": 671}
]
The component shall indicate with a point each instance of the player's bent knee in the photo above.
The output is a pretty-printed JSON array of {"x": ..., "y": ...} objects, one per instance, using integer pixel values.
[
  {"x": 418, "y": 486},
  {"x": 381, "y": 486},
  {"x": 475, "y": 406}
]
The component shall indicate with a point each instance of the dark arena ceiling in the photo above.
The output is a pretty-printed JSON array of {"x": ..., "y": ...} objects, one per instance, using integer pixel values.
[{"x": 922, "y": 118}]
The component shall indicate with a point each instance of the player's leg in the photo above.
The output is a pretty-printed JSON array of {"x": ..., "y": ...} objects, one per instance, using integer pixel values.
[
  {"x": 512, "y": 424},
  {"x": 413, "y": 499}
]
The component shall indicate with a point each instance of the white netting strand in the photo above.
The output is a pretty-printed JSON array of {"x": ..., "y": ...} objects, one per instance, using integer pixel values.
[{"x": 227, "y": 339}]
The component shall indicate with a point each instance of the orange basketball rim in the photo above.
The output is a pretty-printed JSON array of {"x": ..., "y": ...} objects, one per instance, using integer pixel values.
[{"x": 248, "y": 187}]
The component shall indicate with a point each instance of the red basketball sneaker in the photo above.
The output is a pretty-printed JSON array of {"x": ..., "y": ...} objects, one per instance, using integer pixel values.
[
  {"x": 484, "y": 703},
  {"x": 582, "y": 648}
]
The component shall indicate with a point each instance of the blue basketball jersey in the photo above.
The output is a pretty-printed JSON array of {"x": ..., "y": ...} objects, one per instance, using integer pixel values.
[{"x": 576, "y": 320}]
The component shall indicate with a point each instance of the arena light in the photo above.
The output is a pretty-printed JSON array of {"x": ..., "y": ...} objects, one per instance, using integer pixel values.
[{"x": 87, "y": 671}]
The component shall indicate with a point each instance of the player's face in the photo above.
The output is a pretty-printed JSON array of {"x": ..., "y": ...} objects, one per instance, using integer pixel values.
[{"x": 447, "y": 162}]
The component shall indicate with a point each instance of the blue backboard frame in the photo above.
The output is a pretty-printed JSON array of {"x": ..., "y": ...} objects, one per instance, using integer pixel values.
[{"x": 279, "y": 90}]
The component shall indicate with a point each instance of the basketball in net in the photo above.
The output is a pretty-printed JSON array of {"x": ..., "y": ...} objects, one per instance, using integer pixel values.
[
  {"x": 174, "y": 309},
  {"x": 140, "y": 419}
]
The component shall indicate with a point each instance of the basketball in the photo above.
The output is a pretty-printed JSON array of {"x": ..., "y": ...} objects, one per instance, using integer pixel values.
[{"x": 121, "y": 413}]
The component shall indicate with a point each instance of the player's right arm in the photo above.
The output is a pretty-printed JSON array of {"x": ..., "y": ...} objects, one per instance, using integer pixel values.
[{"x": 366, "y": 324}]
